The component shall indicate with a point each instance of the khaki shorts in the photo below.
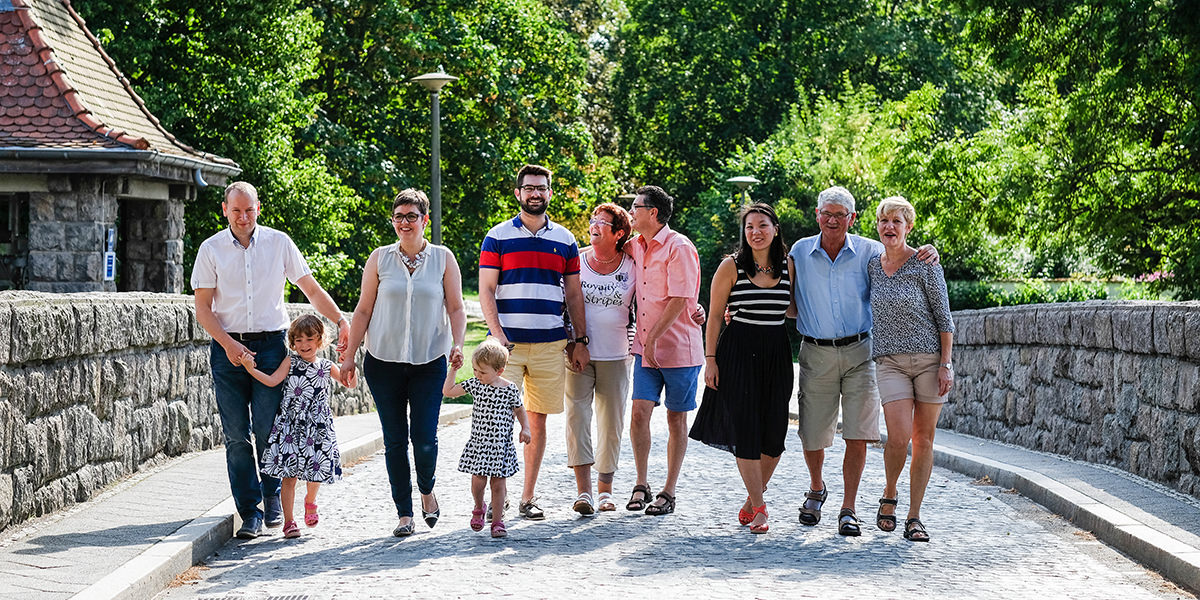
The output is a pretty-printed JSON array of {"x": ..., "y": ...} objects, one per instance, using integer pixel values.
[
  {"x": 602, "y": 388},
  {"x": 832, "y": 378},
  {"x": 908, "y": 376},
  {"x": 539, "y": 370}
]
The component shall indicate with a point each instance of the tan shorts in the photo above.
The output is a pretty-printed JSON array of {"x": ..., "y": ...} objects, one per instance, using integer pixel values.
[
  {"x": 832, "y": 378},
  {"x": 908, "y": 376},
  {"x": 602, "y": 388},
  {"x": 539, "y": 370}
]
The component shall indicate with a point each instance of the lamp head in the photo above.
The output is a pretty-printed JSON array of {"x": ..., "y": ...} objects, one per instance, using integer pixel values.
[{"x": 434, "y": 81}]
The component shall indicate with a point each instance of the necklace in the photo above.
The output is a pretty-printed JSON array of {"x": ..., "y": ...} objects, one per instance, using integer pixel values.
[
  {"x": 761, "y": 269},
  {"x": 610, "y": 261},
  {"x": 415, "y": 261}
]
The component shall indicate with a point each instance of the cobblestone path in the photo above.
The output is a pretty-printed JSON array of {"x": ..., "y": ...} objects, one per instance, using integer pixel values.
[{"x": 986, "y": 543}]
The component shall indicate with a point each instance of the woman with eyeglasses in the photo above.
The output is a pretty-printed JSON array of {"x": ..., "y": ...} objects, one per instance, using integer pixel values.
[
  {"x": 602, "y": 387},
  {"x": 411, "y": 313}
]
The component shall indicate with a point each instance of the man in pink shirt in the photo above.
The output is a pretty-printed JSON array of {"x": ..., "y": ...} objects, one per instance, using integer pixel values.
[{"x": 669, "y": 347}]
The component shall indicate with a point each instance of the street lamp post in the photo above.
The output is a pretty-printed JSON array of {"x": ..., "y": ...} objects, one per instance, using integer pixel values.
[
  {"x": 743, "y": 182},
  {"x": 434, "y": 82}
]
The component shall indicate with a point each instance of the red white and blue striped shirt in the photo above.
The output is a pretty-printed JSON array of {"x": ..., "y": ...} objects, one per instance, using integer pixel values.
[{"x": 529, "y": 295}]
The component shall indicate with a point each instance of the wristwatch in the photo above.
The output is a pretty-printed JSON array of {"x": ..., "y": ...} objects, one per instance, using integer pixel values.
[
  {"x": 947, "y": 365},
  {"x": 581, "y": 340}
]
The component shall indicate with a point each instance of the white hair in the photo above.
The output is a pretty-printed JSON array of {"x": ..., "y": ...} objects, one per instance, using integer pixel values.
[{"x": 836, "y": 195}]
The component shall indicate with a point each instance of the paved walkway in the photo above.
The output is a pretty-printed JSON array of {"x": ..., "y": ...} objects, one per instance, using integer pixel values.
[
  {"x": 986, "y": 544},
  {"x": 988, "y": 541}
]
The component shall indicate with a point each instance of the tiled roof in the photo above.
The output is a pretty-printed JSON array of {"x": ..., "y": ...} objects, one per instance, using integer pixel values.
[{"x": 59, "y": 89}]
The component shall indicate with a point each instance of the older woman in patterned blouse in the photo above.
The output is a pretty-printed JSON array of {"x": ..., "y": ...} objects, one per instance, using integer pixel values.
[{"x": 912, "y": 339}]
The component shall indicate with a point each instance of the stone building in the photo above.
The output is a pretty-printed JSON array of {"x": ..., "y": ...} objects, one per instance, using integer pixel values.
[{"x": 92, "y": 187}]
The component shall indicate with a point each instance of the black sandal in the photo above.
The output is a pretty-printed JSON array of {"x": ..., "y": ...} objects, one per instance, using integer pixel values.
[
  {"x": 914, "y": 531},
  {"x": 812, "y": 515},
  {"x": 636, "y": 504},
  {"x": 665, "y": 508},
  {"x": 889, "y": 520},
  {"x": 848, "y": 523}
]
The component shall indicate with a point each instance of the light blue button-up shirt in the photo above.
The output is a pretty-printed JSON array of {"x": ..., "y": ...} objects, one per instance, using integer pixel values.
[{"x": 833, "y": 297}]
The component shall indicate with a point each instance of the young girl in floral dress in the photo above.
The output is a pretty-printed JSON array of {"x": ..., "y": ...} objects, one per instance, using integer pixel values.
[{"x": 302, "y": 444}]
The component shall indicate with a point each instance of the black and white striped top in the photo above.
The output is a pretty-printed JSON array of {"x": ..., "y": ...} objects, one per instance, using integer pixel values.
[{"x": 755, "y": 305}]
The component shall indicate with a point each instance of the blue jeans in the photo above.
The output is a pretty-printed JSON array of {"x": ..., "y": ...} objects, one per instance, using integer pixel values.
[
  {"x": 245, "y": 405},
  {"x": 403, "y": 391}
]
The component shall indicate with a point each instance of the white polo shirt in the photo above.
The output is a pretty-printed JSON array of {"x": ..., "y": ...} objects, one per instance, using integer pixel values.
[{"x": 248, "y": 281}]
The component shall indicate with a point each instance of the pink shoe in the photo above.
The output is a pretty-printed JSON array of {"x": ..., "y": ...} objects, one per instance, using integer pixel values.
[
  {"x": 498, "y": 530},
  {"x": 311, "y": 518},
  {"x": 477, "y": 518},
  {"x": 291, "y": 530}
]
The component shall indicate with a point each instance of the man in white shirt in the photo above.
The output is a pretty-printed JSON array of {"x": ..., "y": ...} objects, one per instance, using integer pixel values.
[{"x": 238, "y": 281}]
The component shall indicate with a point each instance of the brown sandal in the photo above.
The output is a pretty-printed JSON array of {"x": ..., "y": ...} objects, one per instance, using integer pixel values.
[
  {"x": 634, "y": 502},
  {"x": 665, "y": 508}
]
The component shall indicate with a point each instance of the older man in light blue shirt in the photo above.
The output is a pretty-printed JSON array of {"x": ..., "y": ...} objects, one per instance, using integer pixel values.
[{"x": 834, "y": 320}]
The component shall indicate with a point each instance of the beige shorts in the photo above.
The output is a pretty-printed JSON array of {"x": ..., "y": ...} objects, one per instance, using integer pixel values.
[
  {"x": 832, "y": 378},
  {"x": 539, "y": 370},
  {"x": 603, "y": 389},
  {"x": 908, "y": 376}
]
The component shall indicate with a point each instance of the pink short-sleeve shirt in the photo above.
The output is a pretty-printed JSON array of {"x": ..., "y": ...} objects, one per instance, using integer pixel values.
[{"x": 668, "y": 266}]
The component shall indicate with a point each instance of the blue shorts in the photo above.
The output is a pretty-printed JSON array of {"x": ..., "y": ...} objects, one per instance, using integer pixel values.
[{"x": 648, "y": 384}]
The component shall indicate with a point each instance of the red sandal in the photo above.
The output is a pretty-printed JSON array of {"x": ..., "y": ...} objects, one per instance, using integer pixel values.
[
  {"x": 760, "y": 528},
  {"x": 498, "y": 530},
  {"x": 311, "y": 518},
  {"x": 745, "y": 516},
  {"x": 477, "y": 518}
]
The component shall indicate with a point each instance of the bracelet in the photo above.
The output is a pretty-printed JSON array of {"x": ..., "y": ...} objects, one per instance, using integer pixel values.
[{"x": 710, "y": 356}]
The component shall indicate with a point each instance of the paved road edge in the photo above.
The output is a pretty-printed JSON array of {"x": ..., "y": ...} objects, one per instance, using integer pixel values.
[
  {"x": 151, "y": 571},
  {"x": 1141, "y": 536}
]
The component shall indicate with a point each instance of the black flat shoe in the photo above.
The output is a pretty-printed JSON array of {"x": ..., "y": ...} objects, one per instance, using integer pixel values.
[
  {"x": 403, "y": 530},
  {"x": 431, "y": 518}
]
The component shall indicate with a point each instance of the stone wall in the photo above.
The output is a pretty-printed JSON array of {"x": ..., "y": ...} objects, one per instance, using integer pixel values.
[
  {"x": 152, "y": 233},
  {"x": 1116, "y": 383},
  {"x": 94, "y": 386}
]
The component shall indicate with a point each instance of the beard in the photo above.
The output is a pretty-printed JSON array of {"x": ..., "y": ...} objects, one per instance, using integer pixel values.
[{"x": 537, "y": 210}]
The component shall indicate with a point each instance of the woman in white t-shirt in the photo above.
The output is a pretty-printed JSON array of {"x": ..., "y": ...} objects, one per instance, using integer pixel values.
[
  {"x": 412, "y": 316},
  {"x": 607, "y": 277}
]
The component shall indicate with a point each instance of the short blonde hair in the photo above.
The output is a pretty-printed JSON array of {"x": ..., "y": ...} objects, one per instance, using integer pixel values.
[
  {"x": 897, "y": 204},
  {"x": 490, "y": 353}
]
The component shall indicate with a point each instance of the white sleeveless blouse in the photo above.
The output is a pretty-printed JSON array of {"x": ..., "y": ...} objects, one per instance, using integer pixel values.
[{"x": 409, "y": 323}]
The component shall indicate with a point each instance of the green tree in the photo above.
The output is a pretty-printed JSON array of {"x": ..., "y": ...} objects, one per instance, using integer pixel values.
[
  {"x": 698, "y": 79},
  {"x": 519, "y": 99},
  {"x": 225, "y": 77},
  {"x": 1115, "y": 90}
]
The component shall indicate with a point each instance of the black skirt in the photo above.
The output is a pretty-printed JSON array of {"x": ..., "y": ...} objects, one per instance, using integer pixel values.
[{"x": 748, "y": 413}]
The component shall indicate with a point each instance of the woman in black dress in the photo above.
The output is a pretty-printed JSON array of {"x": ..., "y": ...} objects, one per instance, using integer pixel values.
[{"x": 748, "y": 367}]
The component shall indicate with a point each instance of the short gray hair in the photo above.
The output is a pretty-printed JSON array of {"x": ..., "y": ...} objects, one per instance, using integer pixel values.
[
  {"x": 242, "y": 187},
  {"x": 836, "y": 195}
]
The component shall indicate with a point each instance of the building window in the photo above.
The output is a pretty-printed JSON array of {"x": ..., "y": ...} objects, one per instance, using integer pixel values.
[{"x": 14, "y": 239}]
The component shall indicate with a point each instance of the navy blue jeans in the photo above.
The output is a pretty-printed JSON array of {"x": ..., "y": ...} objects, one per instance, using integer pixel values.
[
  {"x": 404, "y": 391},
  {"x": 246, "y": 406}
]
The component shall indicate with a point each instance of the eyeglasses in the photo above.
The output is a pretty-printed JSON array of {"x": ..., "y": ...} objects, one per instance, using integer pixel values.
[
  {"x": 600, "y": 222},
  {"x": 409, "y": 217},
  {"x": 839, "y": 216},
  {"x": 535, "y": 188},
  {"x": 635, "y": 206}
]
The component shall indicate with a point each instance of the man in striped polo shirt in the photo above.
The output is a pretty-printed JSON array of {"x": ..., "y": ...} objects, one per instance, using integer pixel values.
[{"x": 528, "y": 267}]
